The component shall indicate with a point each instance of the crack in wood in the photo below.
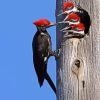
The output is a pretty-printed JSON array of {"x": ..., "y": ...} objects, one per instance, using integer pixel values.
[{"x": 83, "y": 83}]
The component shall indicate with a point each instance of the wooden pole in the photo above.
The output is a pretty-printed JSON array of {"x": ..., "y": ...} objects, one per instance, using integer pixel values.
[{"x": 80, "y": 81}]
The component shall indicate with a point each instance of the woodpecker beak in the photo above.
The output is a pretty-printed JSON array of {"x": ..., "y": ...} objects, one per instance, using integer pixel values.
[
  {"x": 69, "y": 22},
  {"x": 66, "y": 18},
  {"x": 51, "y": 24},
  {"x": 65, "y": 29},
  {"x": 62, "y": 13},
  {"x": 66, "y": 22},
  {"x": 67, "y": 12}
]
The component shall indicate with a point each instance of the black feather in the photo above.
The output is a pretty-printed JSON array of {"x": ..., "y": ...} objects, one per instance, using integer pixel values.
[
  {"x": 85, "y": 19},
  {"x": 41, "y": 45}
]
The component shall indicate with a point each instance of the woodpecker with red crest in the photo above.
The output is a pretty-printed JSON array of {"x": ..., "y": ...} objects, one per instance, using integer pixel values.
[
  {"x": 76, "y": 14},
  {"x": 71, "y": 19},
  {"x": 68, "y": 7},
  {"x": 75, "y": 31},
  {"x": 42, "y": 50},
  {"x": 78, "y": 28},
  {"x": 74, "y": 19}
]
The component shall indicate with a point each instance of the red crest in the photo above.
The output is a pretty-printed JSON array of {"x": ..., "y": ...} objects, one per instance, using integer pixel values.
[
  {"x": 79, "y": 26},
  {"x": 73, "y": 16},
  {"x": 67, "y": 5},
  {"x": 41, "y": 22}
]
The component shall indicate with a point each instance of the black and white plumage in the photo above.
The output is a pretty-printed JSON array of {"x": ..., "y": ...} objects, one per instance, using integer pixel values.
[
  {"x": 42, "y": 50},
  {"x": 84, "y": 17}
]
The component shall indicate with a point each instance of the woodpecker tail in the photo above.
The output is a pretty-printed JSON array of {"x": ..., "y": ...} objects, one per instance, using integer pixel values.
[{"x": 47, "y": 77}]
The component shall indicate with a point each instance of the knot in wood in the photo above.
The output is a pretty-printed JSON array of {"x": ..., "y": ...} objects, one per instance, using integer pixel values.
[
  {"x": 77, "y": 63},
  {"x": 76, "y": 66}
]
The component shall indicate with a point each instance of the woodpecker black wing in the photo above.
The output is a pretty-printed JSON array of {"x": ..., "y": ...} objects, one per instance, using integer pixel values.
[
  {"x": 40, "y": 55},
  {"x": 41, "y": 46}
]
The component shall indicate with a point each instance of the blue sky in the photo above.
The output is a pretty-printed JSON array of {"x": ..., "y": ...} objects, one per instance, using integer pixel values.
[{"x": 18, "y": 80}]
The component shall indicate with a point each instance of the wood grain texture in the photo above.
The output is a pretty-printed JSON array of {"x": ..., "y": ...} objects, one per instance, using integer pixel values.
[{"x": 85, "y": 85}]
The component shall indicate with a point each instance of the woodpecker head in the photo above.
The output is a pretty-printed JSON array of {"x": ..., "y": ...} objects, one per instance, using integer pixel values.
[
  {"x": 43, "y": 24},
  {"x": 71, "y": 19},
  {"x": 77, "y": 29},
  {"x": 68, "y": 7}
]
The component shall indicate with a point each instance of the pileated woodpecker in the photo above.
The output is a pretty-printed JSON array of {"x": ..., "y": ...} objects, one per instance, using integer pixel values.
[
  {"x": 74, "y": 19},
  {"x": 68, "y": 7},
  {"x": 75, "y": 31},
  {"x": 42, "y": 50},
  {"x": 73, "y": 13},
  {"x": 71, "y": 19}
]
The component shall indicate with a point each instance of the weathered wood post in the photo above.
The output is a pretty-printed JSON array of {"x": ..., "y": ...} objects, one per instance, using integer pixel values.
[{"x": 80, "y": 82}]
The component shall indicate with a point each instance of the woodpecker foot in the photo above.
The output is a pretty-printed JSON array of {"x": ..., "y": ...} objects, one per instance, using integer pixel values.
[{"x": 58, "y": 53}]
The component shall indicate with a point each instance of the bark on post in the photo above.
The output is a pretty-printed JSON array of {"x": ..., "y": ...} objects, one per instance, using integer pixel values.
[{"x": 84, "y": 84}]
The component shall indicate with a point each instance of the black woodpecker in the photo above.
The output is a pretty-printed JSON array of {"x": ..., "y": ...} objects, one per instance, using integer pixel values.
[{"x": 42, "y": 50}]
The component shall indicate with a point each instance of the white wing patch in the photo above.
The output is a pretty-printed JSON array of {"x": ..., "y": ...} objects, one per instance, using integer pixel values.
[
  {"x": 45, "y": 58},
  {"x": 43, "y": 34}
]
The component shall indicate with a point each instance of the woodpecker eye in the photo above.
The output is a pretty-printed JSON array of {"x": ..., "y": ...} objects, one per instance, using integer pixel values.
[
  {"x": 46, "y": 24},
  {"x": 43, "y": 26}
]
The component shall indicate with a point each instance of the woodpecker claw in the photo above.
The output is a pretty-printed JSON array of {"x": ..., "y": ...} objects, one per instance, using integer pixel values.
[{"x": 58, "y": 53}]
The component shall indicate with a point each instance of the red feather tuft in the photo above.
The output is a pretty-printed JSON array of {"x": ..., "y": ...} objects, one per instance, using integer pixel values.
[
  {"x": 79, "y": 26},
  {"x": 73, "y": 16},
  {"x": 66, "y": 5},
  {"x": 41, "y": 22}
]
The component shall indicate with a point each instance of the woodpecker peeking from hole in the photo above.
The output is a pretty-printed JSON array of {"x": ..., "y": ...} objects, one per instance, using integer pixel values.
[
  {"x": 76, "y": 18},
  {"x": 42, "y": 50},
  {"x": 71, "y": 19},
  {"x": 75, "y": 15},
  {"x": 77, "y": 30},
  {"x": 68, "y": 7}
]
